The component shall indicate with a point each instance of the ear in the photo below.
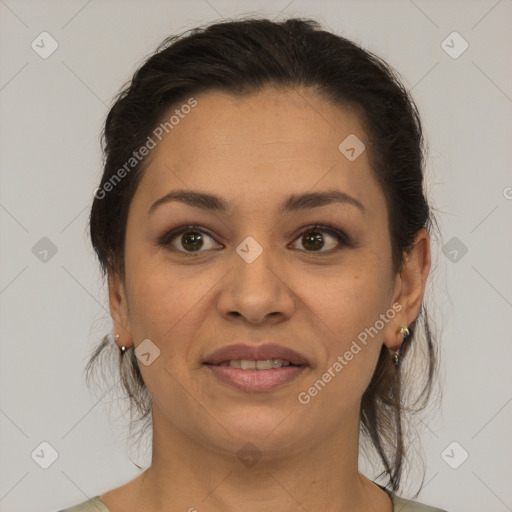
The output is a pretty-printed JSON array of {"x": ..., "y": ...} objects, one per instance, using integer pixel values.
[
  {"x": 119, "y": 310},
  {"x": 409, "y": 288}
]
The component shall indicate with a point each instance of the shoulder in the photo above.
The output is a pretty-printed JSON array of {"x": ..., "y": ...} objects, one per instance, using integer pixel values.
[
  {"x": 92, "y": 505},
  {"x": 403, "y": 505}
]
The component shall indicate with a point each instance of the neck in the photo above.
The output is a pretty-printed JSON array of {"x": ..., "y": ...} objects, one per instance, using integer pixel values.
[{"x": 189, "y": 474}]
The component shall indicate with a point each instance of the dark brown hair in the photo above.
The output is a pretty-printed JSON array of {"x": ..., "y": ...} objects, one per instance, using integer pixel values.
[{"x": 241, "y": 57}]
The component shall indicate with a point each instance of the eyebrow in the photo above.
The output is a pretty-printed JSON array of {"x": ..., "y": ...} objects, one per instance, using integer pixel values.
[{"x": 292, "y": 203}]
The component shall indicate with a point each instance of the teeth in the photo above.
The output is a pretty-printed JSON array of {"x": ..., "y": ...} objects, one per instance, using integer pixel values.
[
  {"x": 245, "y": 364},
  {"x": 268, "y": 364},
  {"x": 263, "y": 364}
]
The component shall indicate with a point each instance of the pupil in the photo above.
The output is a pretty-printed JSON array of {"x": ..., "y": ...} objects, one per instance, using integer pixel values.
[
  {"x": 309, "y": 241},
  {"x": 190, "y": 238}
]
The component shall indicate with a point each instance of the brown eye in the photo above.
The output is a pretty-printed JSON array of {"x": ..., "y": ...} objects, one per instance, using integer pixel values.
[
  {"x": 313, "y": 239},
  {"x": 192, "y": 240},
  {"x": 188, "y": 239}
]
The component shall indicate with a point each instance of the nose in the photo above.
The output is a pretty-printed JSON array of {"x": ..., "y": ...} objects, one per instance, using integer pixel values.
[{"x": 256, "y": 292}]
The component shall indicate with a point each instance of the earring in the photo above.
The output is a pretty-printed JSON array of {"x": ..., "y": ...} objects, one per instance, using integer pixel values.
[
  {"x": 121, "y": 349},
  {"x": 404, "y": 331}
]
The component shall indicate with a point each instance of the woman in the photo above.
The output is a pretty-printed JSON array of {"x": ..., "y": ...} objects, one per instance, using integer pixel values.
[{"x": 263, "y": 227}]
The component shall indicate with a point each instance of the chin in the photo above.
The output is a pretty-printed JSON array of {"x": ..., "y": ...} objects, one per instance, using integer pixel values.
[{"x": 275, "y": 431}]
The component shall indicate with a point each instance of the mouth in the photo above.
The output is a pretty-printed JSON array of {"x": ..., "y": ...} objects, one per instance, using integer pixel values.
[
  {"x": 255, "y": 380},
  {"x": 256, "y": 356},
  {"x": 255, "y": 367}
]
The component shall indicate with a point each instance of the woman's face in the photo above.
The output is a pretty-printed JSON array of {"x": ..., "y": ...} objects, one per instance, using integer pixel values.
[{"x": 257, "y": 272}]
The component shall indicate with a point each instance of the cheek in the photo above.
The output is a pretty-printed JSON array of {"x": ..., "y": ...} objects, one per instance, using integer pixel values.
[
  {"x": 164, "y": 301},
  {"x": 156, "y": 301},
  {"x": 350, "y": 300},
  {"x": 350, "y": 306}
]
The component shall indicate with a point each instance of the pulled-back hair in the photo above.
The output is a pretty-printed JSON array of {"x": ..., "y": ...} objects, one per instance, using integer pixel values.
[{"x": 242, "y": 57}]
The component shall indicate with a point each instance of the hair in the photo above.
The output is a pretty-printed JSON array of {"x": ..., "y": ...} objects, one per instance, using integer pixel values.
[{"x": 241, "y": 57}]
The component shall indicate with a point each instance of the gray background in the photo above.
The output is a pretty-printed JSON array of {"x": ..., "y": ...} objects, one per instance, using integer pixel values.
[{"x": 53, "y": 312}]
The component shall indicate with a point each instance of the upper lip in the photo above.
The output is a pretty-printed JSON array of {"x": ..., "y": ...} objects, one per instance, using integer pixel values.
[{"x": 255, "y": 353}]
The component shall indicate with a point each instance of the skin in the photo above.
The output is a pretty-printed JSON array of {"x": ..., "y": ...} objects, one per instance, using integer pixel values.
[{"x": 254, "y": 151}]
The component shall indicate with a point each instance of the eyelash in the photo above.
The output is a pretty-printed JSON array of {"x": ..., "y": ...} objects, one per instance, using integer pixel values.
[{"x": 339, "y": 236}]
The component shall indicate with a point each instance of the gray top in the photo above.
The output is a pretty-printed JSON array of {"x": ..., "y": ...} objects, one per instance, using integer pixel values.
[{"x": 399, "y": 505}]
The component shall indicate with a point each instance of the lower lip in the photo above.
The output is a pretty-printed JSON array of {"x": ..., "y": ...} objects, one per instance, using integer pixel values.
[{"x": 256, "y": 380}]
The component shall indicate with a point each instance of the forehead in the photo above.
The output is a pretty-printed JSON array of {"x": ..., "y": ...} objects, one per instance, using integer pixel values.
[
  {"x": 281, "y": 119},
  {"x": 260, "y": 144}
]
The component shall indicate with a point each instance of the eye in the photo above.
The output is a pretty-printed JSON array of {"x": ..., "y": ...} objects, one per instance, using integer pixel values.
[
  {"x": 313, "y": 238},
  {"x": 192, "y": 239}
]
